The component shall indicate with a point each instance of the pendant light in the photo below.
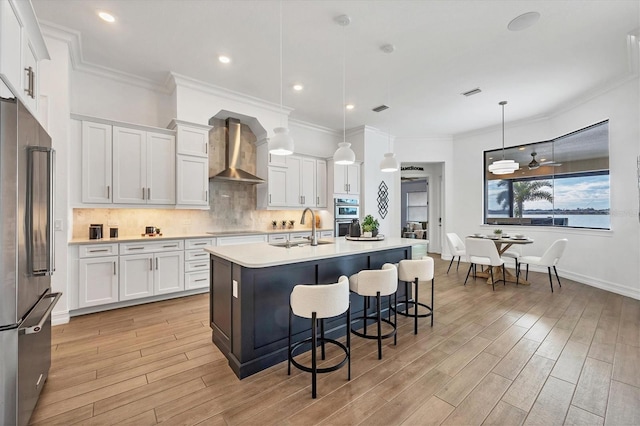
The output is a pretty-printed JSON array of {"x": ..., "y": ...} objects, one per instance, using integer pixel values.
[
  {"x": 503, "y": 167},
  {"x": 344, "y": 155},
  {"x": 282, "y": 142},
  {"x": 389, "y": 163}
]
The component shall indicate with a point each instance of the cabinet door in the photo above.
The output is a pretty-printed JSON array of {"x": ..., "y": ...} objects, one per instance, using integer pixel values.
[
  {"x": 136, "y": 276},
  {"x": 10, "y": 58},
  {"x": 98, "y": 281},
  {"x": 353, "y": 179},
  {"x": 278, "y": 186},
  {"x": 129, "y": 166},
  {"x": 192, "y": 141},
  {"x": 30, "y": 78},
  {"x": 308, "y": 182},
  {"x": 321, "y": 183},
  {"x": 278, "y": 160},
  {"x": 96, "y": 163},
  {"x": 340, "y": 179},
  {"x": 168, "y": 272},
  {"x": 293, "y": 189},
  {"x": 161, "y": 168},
  {"x": 192, "y": 181}
]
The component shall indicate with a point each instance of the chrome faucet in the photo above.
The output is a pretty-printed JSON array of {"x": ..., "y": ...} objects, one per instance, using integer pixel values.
[{"x": 313, "y": 238}]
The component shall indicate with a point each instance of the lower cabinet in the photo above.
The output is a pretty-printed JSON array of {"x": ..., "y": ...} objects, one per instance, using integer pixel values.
[
  {"x": 98, "y": 281},
  {"x": 144, "y": 275}
]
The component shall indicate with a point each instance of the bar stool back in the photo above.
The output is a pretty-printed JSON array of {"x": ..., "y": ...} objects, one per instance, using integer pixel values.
[
  {"x": 416, "y": 271},
  {"x": 378, "y": 283},
  {"x": 317, "y": 302}
]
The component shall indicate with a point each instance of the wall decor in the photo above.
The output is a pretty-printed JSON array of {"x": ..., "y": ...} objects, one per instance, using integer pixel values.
[{"x": 383, "y": 199}]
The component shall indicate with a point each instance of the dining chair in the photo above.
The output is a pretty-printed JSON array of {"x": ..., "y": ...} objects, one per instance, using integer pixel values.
[
  {"x": 317, "y": 302},
  {"x": 549, "y": 259},
  {"x": 483, "y": 252},
  {"x": 456, "y": 246}
]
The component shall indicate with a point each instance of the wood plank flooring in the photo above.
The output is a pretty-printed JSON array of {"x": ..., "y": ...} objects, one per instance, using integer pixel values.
[{"x": 519, "y": 355}]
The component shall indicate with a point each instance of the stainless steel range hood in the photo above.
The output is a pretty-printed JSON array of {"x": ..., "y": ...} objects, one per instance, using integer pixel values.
[{"x": 232, "y": 156}]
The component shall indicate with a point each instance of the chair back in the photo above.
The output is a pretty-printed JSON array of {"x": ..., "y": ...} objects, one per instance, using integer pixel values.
[
  {"x": 553, "y": 253},
  {"x": 326, "y": 300},
  {"x": 455, "y": 244},
  {"x": 482, "y": 252},
  {"x": 384, "y": 280},
  {"x": 422, "y": 269}
]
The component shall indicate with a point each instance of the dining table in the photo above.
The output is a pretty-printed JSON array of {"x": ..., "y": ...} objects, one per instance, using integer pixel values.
[{"x": 503, "y": 243}]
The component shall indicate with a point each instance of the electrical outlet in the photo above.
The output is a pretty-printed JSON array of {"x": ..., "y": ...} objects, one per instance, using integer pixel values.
[{"x": 57, "y": 225}]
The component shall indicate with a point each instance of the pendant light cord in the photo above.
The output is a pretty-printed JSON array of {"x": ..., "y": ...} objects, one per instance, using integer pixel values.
[
  {"x": 281, "y": 109},
  {"x": 344, "y": 72}
]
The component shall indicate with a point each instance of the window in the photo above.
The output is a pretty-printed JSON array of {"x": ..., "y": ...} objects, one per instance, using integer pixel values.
[
  {"x": 417, "y": 206},
  {"x": 562, "y": 182}
]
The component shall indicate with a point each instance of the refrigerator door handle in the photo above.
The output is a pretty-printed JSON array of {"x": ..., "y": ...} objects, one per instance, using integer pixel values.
[
  {"x": 50, "y": 247},
  {"x": 36, "y": 328}
]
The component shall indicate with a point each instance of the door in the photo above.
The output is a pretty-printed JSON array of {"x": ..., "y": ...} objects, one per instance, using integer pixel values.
[
  {"x": 98, "y": 281},
  {"x": 129, "y": 166},
  {"x": 136, "y": 276},
  {"x": 168, "y": 273},
  {"x": 96, "y": 163},
  {"x": 161, "y": 168}
]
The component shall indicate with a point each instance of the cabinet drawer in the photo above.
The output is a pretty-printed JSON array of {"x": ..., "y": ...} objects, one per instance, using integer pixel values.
[
  {"x": 197, "y": 265},
  {"x": 196, "y": 280},
  {"x": 196, "y": 255},
  {"x": 278, "y": 238},
  {"x": 151, "y": 247},
  {"x": 298, "y": 236},
  {"x": 199, "y": 243},
  {"x": 243, "y": 239},
  {"x": 96, "y": 250}
]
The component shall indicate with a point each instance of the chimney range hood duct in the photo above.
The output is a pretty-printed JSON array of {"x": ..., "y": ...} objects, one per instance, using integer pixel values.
[{"x": 232, "y": 155}]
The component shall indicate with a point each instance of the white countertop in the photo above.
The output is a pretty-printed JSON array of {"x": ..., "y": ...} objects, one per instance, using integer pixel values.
[{"x": 261, "y": 255}]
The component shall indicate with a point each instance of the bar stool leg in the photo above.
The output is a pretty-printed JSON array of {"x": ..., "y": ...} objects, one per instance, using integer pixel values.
[
  {"x": 415, "y": 310},
  {"x": 314, "y": 365},
  {"x": 432, "y": 302},
  {"x": 395, "y": 318},
  {"x": 366, "y": 311},
  {"x": 322, "y": 334},
  {"x": 379, "y": 304},
  {"x": 349, "y": 341},
  {"x": 289, "y": 345}
]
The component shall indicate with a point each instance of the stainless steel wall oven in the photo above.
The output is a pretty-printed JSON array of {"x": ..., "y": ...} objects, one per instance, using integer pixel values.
[{"x": 344, "y": 211}]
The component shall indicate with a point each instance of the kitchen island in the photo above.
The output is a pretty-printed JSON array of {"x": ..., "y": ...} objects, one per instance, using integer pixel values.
[{"x": 250, "y": 286}]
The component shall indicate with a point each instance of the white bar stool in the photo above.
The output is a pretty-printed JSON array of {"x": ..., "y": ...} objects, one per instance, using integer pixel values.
[
  {"x": 378, "y": 283},
  {"x": 320, "y": 301},
  {"x": 415, "y": 271}
]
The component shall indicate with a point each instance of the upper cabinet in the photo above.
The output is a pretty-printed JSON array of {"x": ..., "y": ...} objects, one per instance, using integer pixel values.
[
  {"x": 345, "y": 179},
  {"x": 192, "y": 180},
  {"x": 293, "y": 181},
  {"x": 127, "y": 165},
  {"x": 21, "y": 49}
]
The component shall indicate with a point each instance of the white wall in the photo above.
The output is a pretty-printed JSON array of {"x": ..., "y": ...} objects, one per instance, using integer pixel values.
[
  {"x": 314, "y": 140},
  {"x": 54, "y": 87},
  {"x": 604, "y": 259}
]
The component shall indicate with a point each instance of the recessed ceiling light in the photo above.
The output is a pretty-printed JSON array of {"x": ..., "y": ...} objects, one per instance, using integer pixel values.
[
  {"x": 298, "y": 87},
  {"x": 523, "y": 21},
  {"x": 107, "y": 17},
  {"x": 543, "y": 159},
  {"x": 350, "y": 106},
  {"x": 224, "y": 59},
  {"x": 521, "y": 148}
]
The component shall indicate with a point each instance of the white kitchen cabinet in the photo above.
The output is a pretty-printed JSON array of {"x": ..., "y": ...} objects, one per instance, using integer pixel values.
[
  {"x": 191, "y": 139},
  {"x": 277, "y": 186},
  {"x": 136, "y": 276},
  {"x": 97, "y": 275},
  {"x": 241, "y": 239},
  {"x": 143, "y": 167},
  {"x": 346, "y": 179},
  {"x": 301, "y": 179},
  {"x": 168, "y": 273},
  {"x": 30, "y": 74},
  {"x": 10, "y": 45},
  {"x": 192, "y": 181},
  {"x": 321, "y": 183},
  {"x": 278, "y": 160},
  {"x": 196, "y": 263},
  {"x": 324, "y": 234},
  {"x": 96, "y": 163}
]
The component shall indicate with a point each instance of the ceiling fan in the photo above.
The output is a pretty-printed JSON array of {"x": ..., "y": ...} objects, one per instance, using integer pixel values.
[{"x": 534, "y": 164}]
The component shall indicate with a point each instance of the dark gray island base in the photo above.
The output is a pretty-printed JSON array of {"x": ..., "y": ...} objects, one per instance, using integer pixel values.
[{"x": 249, "y": 306}]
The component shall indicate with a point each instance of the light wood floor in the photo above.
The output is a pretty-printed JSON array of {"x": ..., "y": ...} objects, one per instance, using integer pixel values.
[{"x": 516, "y": 355}]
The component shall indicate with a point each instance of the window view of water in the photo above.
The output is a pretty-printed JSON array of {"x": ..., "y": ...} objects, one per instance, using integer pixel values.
[{"x": 600, "y": 221}]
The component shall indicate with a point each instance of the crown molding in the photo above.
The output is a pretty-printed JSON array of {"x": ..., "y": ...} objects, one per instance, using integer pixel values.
[
  {"x": 314, "y": 127},
  {"x": 65, "y": 35},
  {"x": 221, "y": 92}
]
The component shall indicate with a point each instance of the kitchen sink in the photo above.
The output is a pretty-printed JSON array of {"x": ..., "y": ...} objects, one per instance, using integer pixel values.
[{"x": 290, "y": 244}]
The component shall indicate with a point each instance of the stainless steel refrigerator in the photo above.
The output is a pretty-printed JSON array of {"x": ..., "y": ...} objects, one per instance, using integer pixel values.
[{"x": 27, "y": 260}]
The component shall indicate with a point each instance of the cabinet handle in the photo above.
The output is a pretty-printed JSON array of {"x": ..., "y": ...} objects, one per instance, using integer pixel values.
[
  {"x": 143, "y": 193},
  {"x": 114, "y": 268},
  {"x": 201, "y": 254},
  {"x": 108, "y": 192},
  {"x": 170, "y": 245},
  {"x": 206, "y": 196},
  {"x": 136, "y": 248},
  {"x": 317, "y": 201},
  {"x": 201, "y": 279},
  {"x": 156, "y": 263},
  {"x": 98, "y": 251},
  {"x": 150, "y": 264},
  {"x": 30, "y": 82},
  {"x": 269, "y": 198},
  {"x": 148, "y": 193},
  {"x": 345, "y": 188},
  {"x": 198, "y": 266},
  {"x": 206, "y": 148},
  {"x": 199, "y": 244}
]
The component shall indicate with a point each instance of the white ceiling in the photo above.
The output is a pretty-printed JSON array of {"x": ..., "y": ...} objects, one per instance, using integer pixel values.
[{"x": 443, "y": 48}]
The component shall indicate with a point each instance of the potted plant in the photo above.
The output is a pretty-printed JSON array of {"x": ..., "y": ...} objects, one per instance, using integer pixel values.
[
  {"x": 497, "y": 232},
  {"x": 370, "y": 226}
]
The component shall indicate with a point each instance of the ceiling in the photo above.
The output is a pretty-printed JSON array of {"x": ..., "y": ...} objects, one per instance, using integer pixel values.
[{"x": 442, "y": 48}]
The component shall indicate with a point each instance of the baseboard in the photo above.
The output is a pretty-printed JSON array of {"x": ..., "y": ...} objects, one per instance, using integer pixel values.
[
  {"x": 58, "y": 318},
  {"x": 622, "y": 290}
]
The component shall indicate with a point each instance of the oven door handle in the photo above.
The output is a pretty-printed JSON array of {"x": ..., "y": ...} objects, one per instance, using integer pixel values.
[{"x": 36, "y": 328}]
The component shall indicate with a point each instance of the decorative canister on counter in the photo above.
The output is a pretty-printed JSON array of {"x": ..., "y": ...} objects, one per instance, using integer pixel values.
[
  {"x": 95, "y": 231},
  {"x": 113, "y": 232}
]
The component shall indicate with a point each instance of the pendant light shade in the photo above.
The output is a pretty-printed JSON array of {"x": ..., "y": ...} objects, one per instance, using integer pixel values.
[
  {"x": 282, "y": 142},
  {"x": 503, "y": 167},
  {"x": 344, "y": 155},
  {"x": 389, "y": 163}
]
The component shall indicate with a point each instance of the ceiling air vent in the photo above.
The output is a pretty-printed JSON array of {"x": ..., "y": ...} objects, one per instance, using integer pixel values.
[
  {"x": 380, "y": 108},
  {"x": 472, "y": 92}
]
